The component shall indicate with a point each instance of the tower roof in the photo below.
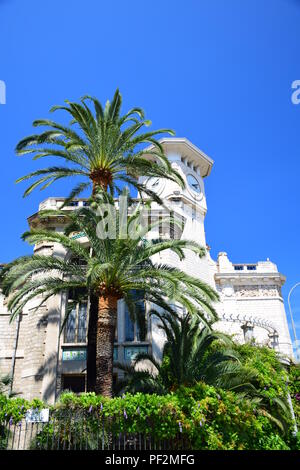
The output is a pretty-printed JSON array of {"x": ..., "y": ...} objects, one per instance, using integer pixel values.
[{"x": 185, "y": 148}]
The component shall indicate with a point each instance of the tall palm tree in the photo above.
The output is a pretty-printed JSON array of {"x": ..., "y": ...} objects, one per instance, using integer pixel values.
[
  {"x": 111, "y": 270},
  {"x": 194, "y": 353},
  {"x": 100, "y": 146}
]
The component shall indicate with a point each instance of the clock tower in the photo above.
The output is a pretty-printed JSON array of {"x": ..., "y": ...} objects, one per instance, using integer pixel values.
[{"x": 187, "y": 204}]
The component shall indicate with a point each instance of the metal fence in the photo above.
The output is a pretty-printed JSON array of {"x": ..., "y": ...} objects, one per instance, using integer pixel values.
[{"x": 77, "y": 431}]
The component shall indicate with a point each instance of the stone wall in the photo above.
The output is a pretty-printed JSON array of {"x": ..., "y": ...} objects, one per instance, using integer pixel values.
[{"x": 30, "y": 350}]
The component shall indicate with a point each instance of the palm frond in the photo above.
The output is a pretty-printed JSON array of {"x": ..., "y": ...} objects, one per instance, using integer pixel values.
[{"x": 98, "y": 139}]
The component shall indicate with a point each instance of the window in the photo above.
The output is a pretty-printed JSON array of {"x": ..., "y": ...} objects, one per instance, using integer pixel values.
[
  {"x": 160, "y": 225},
  {"x": 149, "y": 220},
  {"x": 129, "y": 326},
  {"x": 172, "y": 226},
  {"x": 132, "y": 330},
  {"x": 130, "y": 352},
  {"x": 238, "y": 268},
  {"x": 76, "y": 326},
  {"x": 251, "y": 267},
  {"x": 74, "y": 383}
]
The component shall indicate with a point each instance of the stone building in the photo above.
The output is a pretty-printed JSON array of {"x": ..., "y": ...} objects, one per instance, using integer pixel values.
[{"x": 44, "y": 362}]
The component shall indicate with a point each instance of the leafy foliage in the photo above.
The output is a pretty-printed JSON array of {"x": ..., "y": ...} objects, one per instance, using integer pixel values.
[
  {"x": 100, "y": 146},
  {"x": 274, "y": 378},
  {"x": 209, "y": 418},
  {"x": 193, "y": 353},
  {"x": 294, "y": 388},
  {"x": 14, "y": 409}
]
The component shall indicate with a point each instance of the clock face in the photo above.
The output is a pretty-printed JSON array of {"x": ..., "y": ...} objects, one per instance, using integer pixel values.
[
  {"x": 194, "y": 184},
  {"x": 153, "y": 183}
]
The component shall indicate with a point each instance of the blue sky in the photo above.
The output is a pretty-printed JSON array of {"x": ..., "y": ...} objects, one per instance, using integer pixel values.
[{"x": 218, "y": 72}]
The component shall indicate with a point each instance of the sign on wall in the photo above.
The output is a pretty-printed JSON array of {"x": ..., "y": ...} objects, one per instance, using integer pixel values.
[
  {"x": 74, "y": 354},
  {"x": 37, "y": 416}
]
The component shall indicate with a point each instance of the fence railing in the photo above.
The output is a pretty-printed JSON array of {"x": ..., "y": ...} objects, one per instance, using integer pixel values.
[{"x": 79, "y": 431}]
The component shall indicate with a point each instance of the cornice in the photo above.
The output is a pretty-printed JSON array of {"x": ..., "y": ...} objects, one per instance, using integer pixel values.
[
  {"x": 259, "y": 276},
  {"x": 35, "y": 220},
  {"x": 193, "y": 149}
]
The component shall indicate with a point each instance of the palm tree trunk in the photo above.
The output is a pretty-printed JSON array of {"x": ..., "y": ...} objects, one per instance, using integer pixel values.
[
  {"x": 101, "y": 185},
  {"x": 101, "y": 178},
  {"x": 106, "y": 327},
  {"x": 91, "y": 346}
]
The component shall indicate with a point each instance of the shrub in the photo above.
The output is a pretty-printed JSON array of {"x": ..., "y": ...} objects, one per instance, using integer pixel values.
[
  {"x": 202, "y": 416},
  {"x": 205, "y": 417},
  {"x": 13, "y": 410},
  {"x": 294, "y": 388}
]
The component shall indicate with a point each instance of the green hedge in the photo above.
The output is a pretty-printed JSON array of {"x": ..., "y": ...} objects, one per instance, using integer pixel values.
[{"x": 208, "y": 418}]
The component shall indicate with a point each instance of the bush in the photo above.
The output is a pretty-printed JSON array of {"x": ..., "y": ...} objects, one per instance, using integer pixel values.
[
  {"x": 294, "y": 388},
  {"x": 203, "y": 416},
  {"x": 13, "y": 410},
  {"x": 272, "y": 375}
]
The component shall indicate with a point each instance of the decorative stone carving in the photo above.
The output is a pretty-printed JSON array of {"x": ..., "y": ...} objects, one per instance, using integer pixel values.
[
  {"x": 257, "y": 291},
  {"x": 248, "y": 332},
  {"x": 228, "y": 291},
  {"x": 248, "y": 320},
  {"x": 274, "y": 340}
]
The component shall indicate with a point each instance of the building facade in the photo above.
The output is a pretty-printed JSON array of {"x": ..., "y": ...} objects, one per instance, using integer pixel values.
[{"x": 44, "y": 361}]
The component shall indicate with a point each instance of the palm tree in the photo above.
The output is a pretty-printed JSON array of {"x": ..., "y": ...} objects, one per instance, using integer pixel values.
[
  {"x": 100, "y": 146},
  {"x": 194, "y": 353},
  {"x": 111, "y": 269},
  {"x": 188, "y": 357}
]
